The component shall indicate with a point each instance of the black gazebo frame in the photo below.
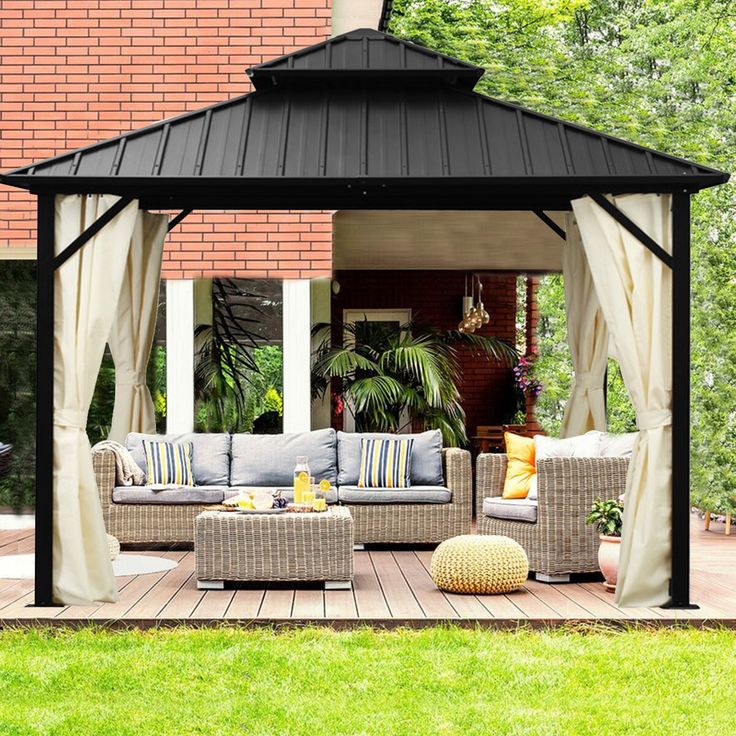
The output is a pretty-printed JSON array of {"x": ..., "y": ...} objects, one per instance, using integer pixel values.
[{"x": 366, "y": 121}]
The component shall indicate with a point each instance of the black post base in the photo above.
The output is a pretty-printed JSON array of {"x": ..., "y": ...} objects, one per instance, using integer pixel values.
[{"x": 681, "y": 606}]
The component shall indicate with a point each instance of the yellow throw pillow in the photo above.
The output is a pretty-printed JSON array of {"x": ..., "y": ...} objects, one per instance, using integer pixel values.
[{"x": 521, "y": 467}]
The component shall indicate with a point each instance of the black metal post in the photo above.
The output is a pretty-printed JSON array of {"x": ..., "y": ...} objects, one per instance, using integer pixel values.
[
  {"x": 44, "y": 400},
  {"x": 680, "y": 585}
]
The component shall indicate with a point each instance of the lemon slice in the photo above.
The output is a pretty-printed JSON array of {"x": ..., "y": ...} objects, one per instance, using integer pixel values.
[
  {"x": 303, "y": 477},
  {"x": 324, "y": 485}
]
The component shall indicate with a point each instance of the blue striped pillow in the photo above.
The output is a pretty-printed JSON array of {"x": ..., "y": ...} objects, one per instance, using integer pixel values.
[
  {"x": 385, "y": 463},
  {"x": 168, "y": 463}
]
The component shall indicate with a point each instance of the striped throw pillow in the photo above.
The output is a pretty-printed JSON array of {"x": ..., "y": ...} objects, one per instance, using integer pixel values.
[
  {"x": 385, "y": 463},
  {"x": 168, "y": 463}
]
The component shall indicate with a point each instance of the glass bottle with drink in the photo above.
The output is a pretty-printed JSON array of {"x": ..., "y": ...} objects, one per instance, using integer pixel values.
[{"x": 301, "y": 478}]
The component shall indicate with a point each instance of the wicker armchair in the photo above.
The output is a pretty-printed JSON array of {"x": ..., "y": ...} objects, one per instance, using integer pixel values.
[
  {"x": 559, "y": 542},
  {"x": 418, "y": 523}
]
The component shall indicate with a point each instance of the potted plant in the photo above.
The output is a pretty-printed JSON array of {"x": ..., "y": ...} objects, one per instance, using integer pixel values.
[
  {"x": 397, "y": 377},
  {"x": 607, "y": 517}
]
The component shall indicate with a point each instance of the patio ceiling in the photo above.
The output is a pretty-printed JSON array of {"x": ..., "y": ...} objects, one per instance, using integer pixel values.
[
  {"x": 363, "y": 121},
  {"x": 477, "y": 241}
]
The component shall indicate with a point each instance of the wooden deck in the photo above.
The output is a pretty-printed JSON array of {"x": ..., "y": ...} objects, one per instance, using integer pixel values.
[{"x": 391, "y": 587}]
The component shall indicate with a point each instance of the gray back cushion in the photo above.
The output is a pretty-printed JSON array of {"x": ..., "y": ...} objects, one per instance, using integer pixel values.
[
  {"x": 210, "y": 454},
  {"x": 269, "y": 459},
  {"x": 426, "y": 457}
]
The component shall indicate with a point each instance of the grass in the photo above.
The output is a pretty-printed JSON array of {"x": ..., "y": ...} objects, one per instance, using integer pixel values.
[{"x": 318, "y": 681}]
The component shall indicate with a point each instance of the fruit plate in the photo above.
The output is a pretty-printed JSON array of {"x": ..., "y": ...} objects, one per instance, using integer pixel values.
[{"x": 260, "y": 511}]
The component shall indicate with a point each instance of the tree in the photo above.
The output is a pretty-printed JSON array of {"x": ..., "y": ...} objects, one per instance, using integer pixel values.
[{"x": 658, "y": 72}]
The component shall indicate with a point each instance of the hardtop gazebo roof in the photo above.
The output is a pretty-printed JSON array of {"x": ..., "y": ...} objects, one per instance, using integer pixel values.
[{"x": 362, "y": 121}]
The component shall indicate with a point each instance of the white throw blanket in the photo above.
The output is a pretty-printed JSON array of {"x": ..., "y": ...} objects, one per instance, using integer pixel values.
[{"x": 127, "y": 472}]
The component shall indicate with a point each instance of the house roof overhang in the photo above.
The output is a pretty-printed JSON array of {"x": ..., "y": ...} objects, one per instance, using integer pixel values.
[{"x": 364, "y": 121}]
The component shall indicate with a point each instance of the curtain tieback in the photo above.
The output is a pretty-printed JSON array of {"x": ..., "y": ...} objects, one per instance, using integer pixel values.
[
  {"x": 653, "y": 419},
  {"x": 71, "y": 418},
  {"x": 130, "y": 378},
  {"x": 589, "y": 381}
]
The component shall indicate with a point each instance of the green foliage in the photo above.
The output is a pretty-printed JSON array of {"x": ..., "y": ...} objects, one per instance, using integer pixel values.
[
  {"x": 267, "y": 384},
  {"x": 272, "y": 402},
  {"x": 658, "y": 72},
  {"x": 156, "y": 380},
  {"x": 399, "y": 376},
  {"x": 263, "y": 392},
  {"x": 99, "y": 418},
  {"x": 17, "y": 380},
  {"x": 224, "y": 362},
  {"x": 554, "y": 366},
  {"x": 435, "y": 681},
  {"x": 607, "y": 517}
]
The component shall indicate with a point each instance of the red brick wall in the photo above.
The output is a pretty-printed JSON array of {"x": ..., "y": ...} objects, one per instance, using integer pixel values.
[
  {"x": 435, "y": 299},
  {"x": 73, "y": 72}
]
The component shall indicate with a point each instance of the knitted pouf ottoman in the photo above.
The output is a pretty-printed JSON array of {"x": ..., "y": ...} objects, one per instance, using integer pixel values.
[{"x": 479, "y": 564}]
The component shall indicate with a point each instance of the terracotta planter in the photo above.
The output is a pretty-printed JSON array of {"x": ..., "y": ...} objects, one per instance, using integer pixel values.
[{"x": 608, "y": 554}]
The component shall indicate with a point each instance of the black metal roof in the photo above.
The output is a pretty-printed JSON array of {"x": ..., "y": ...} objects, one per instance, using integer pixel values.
[
  {"x": 366, "y": 54},
  {"x": 307, "y": 139}
]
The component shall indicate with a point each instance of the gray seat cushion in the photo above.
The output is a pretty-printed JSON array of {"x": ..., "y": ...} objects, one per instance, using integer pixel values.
[
  {"x": 414, "y": 494},
  {"x": 426, "y": 457},
  {"x": 269, "y": 459},
  {"x": 512, "y": 509},
  {"x": 286, "y": 492},
  {"x": 210, "y": 454},
  {"x": 169, "y": 496}
]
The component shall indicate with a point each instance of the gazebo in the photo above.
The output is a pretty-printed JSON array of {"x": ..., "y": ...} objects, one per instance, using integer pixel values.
[{"x": 366, "y": 121}]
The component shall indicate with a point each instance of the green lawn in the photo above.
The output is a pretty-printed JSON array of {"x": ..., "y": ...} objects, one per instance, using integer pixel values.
[{"x": 317, "y": 681}]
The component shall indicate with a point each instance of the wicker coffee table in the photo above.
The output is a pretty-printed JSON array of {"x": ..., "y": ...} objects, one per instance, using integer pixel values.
[{"x": 231, "y": 546}]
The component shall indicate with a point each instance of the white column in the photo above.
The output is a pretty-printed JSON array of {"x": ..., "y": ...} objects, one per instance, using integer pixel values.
[
  {"x": 297, "y": 355},
  {"x": 179, "y": 356}
]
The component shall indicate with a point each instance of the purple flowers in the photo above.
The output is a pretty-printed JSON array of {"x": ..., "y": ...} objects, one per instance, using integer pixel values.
[{"x": 524, "y": 377}]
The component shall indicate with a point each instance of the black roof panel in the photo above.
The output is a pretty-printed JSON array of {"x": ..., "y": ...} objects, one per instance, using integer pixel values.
[
  {"x": 409, "y": 130},
  {"x": 365, "y": 54}
]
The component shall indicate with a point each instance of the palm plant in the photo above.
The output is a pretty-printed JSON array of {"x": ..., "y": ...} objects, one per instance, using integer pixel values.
[
  {"x": 399, "y": 376},
  {"x": 225, "y": 363}
]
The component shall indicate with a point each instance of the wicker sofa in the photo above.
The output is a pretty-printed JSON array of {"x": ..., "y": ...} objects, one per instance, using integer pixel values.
[
  {"x": 552, "y": 529},
  {"x": 428, "y": 512}
]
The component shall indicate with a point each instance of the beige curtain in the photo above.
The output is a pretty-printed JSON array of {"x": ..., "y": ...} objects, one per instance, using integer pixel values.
[
  {"x": 132, "y": 331},
  {"x": 86, "y": 294},
  {"x": 587, "y": 336},
  {"x": 635, "y": 291}
]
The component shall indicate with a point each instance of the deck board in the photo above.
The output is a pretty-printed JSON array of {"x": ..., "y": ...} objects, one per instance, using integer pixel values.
[
  {"x": 399, "y": 597},
  {"x": 390, "y": 585},
  {"x": 277, "y": 603},
  {"x": 309, "y": 603},
  {"x": 431, "y": 600},
  {"x": 368, "y": 594},
  {"x": 245, "y": 604},
  {"x": 340, "y": 604}
]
